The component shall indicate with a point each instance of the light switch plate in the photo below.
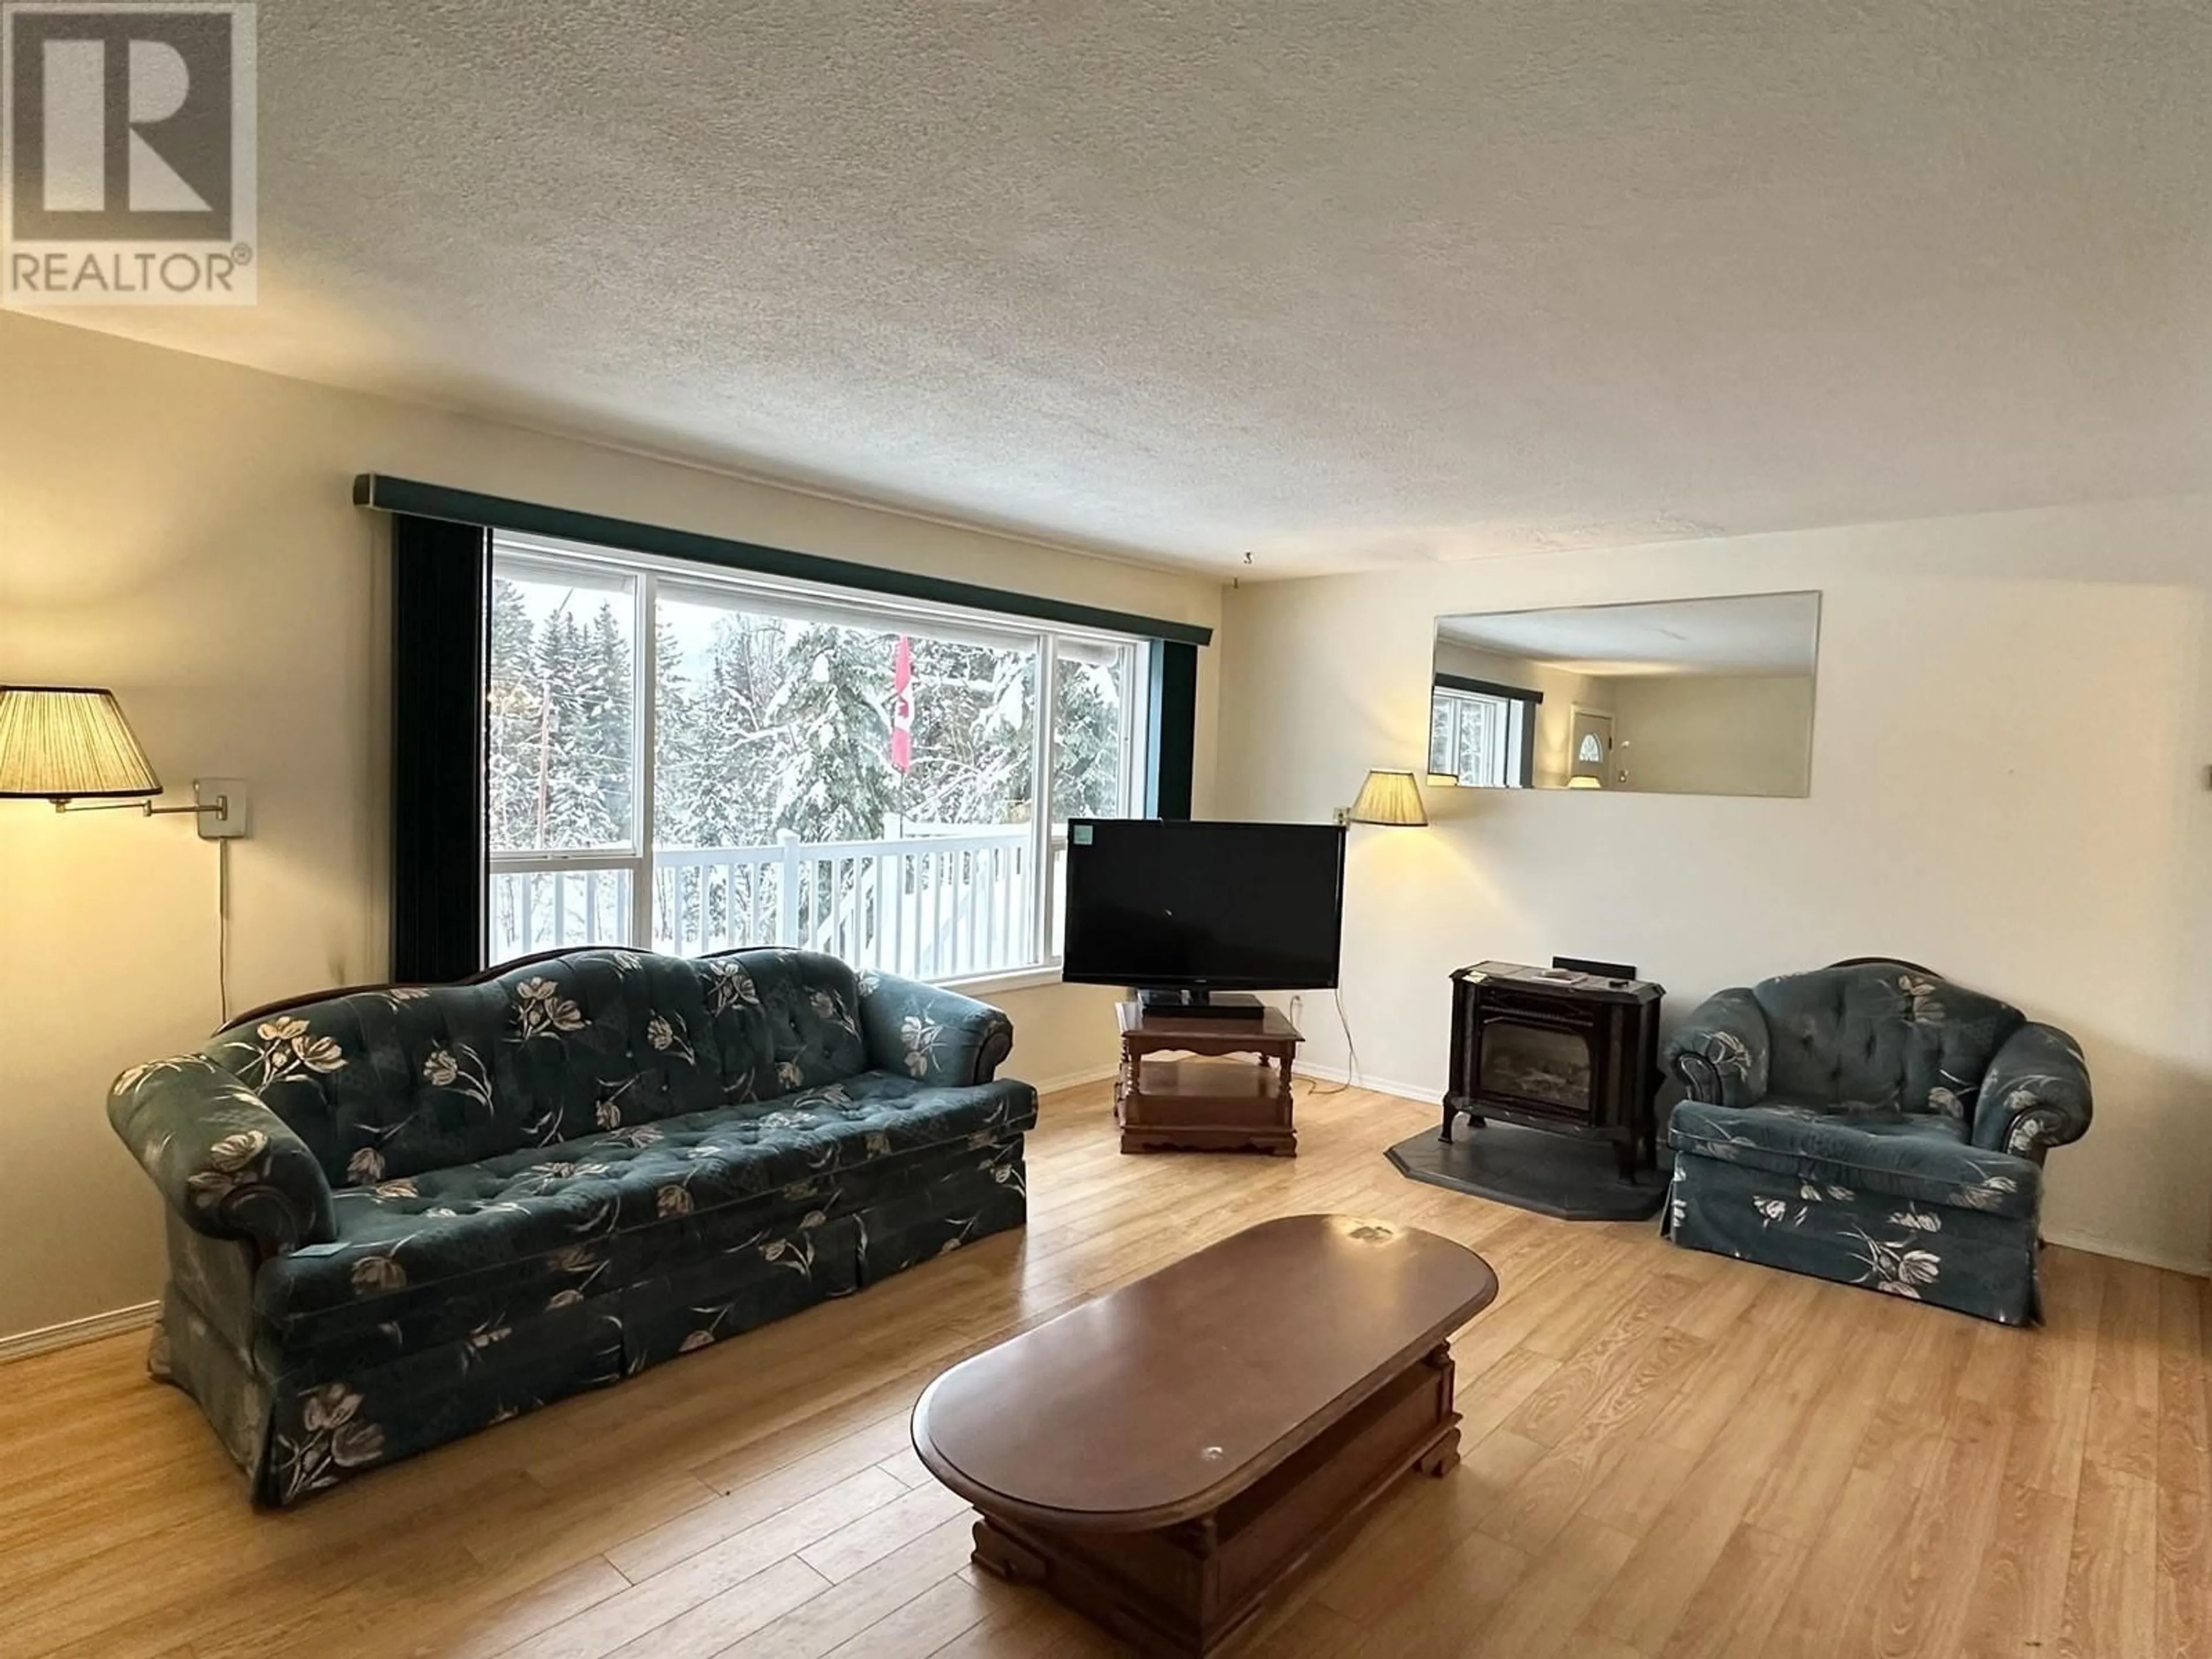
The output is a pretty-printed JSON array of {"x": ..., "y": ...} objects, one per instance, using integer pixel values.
[{"x": 229, "y": 823}]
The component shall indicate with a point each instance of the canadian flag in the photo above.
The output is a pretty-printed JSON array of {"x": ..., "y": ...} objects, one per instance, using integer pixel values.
[{"x": 903, "y": 705}]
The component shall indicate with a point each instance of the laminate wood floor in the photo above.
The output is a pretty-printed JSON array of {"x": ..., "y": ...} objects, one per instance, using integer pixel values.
[{"x": 1667, "y": 1454}]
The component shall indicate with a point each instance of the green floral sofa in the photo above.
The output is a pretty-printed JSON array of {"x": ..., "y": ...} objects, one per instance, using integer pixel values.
[
  {"x": 397, "y": 1216},
  {"x": 1873, "y": 1124}
]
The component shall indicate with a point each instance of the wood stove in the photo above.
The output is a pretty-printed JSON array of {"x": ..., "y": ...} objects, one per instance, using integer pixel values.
[{"x": 1558, "y": 1049}]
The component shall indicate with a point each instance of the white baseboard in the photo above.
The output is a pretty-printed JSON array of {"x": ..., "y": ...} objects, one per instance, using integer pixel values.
[
  {"x": 1053, "y": 1085},
  {"x": 1381, "y": 1085},
  {"x": 2200, "y": 1267},
  {"x": 68, "y": 1334}
]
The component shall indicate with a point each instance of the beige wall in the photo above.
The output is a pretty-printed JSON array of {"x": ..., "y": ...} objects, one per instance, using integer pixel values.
[
  {"x": 1713, "y": 734},
  {"x": 181, "y": 530},
  {"x": 2006, "y": 785}
]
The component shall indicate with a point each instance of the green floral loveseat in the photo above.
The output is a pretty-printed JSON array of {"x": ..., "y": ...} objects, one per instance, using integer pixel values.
[
  {"x": 1873, "y": 1124},
  {"x": 396, "y": 1215}
]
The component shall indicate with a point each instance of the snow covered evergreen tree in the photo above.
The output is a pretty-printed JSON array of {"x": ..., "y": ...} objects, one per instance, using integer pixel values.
[
  {"x": 564, "y": 789},
  {"x": 729, "y": 753},
  {"x": 679, "y": 749},
  {"x": 831, "y": 711},
  {"x": 607, "y": 710},
  {"x": 511, "y": 778},
  {"x": 1086, "y": 736},
  {"x": 974, "y": 726}
]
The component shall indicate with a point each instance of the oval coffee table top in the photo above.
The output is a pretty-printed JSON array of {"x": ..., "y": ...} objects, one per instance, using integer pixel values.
[{"x": 1153, "y": 1403}]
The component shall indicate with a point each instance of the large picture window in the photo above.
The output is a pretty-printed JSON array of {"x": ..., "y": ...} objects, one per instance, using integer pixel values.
[
  {"x": 682, "y": 761},
  {"x": 1480, "y": 735}
]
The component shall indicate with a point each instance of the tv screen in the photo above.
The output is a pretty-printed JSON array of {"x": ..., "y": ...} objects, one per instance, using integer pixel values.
[{"x": 1177, "y": 904}]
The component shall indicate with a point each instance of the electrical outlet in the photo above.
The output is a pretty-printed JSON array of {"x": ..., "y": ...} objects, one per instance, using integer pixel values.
[{"x": 231, "y": 822}]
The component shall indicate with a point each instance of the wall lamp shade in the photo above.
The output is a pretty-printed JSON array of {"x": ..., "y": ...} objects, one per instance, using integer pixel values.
[
  {"x": 59, "y": 743},
  {"x": 1388, "y": 798}
]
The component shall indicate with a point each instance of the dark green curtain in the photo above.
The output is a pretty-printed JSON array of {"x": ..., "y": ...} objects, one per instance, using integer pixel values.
[
  {"x": 1173, "y": 727},
  {"x": 441, "y": 618}
]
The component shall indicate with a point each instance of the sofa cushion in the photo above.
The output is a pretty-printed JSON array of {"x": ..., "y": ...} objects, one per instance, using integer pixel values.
[
  {"x": 558, "y": 1204},
  {"x": 1880, "y": 1036},
  {"x": 387, "y": 1084},
  {"x": 1910, "y": 1155}
]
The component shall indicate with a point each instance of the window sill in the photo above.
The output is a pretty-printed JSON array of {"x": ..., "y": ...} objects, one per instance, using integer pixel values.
[{"x": 1019, "y": 978}]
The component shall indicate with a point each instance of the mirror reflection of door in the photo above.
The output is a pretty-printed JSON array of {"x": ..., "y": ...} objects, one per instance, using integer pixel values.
[{"x": 1592, "y": 750}]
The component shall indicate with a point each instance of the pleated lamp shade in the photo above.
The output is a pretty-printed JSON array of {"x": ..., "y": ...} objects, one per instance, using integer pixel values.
[
  {"x": 58, "y": 741},
  {"x": 1388, "y": 798}
]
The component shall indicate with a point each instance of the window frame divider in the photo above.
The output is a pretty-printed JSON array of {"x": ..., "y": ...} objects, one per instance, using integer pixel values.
[
  {"x": 645, "y": 698},
  {"x": 1044, "y": 773}
]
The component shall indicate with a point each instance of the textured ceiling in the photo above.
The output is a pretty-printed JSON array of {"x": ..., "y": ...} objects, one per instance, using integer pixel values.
[{"x": 1343, "y": 283}]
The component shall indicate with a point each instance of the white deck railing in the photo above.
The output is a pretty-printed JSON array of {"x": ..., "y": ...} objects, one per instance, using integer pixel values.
[{"x": 933, "y": 907}]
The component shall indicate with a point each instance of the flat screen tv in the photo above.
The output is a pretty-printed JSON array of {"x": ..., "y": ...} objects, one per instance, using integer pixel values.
[{"x": 1187, "y": 907}]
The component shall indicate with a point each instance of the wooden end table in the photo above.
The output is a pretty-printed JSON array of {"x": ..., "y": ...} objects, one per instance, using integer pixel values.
[
  {"x": 1170, "y": 1458},
  {"x": 1210, "y": 1101}
]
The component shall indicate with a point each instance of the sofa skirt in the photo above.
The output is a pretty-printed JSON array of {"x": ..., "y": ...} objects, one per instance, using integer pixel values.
[
  {"x": 301, "y": 1420},
  {"x": 1969, "y": 1260}
]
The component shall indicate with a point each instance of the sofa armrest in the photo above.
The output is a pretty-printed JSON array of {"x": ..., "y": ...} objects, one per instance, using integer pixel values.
[
  {"x": 927, "y": 1032},
  {"x": 228, "y": 1165},
  {"x": 2035, "y": 1094},
  {"x": 1720, "y": 1055}
]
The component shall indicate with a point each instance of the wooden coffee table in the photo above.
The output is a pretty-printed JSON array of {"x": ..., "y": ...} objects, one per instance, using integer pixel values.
[{"x": 1166, "y": 1458}]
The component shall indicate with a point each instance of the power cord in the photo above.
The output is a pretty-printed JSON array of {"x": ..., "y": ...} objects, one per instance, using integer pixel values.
[
  {"x": 1351, "y": 1054},
  {"x": 223, "y": 929}
]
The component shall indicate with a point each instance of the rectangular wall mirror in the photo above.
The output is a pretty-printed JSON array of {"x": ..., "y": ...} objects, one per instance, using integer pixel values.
[{"x": 1687, "y": 697}]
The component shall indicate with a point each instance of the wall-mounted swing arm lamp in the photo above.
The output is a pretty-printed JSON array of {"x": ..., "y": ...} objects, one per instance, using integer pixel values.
[
  {"x": 71, "y": 745},
  {"x": 1387, "y": 797}
]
